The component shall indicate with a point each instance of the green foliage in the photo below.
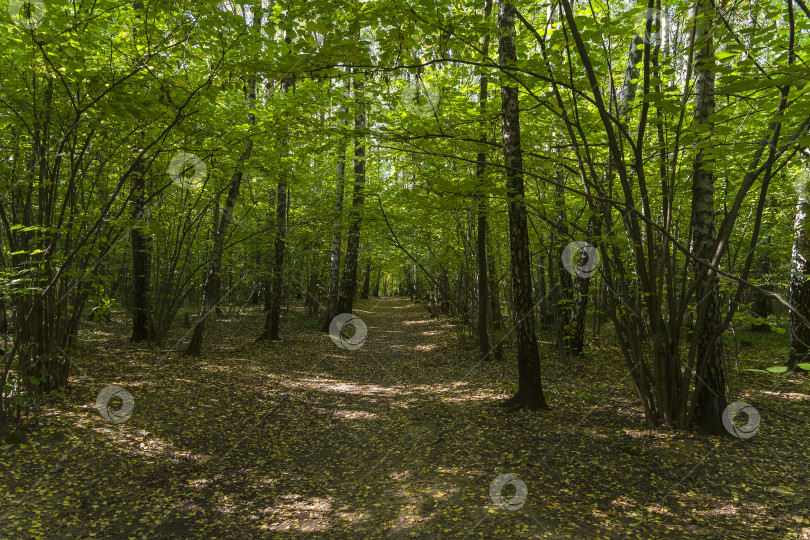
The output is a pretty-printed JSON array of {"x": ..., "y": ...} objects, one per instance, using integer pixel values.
[{"x": 783, "y": 370}]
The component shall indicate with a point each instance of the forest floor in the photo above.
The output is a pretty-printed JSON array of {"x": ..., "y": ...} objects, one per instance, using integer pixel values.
[{"x": 400, "y": 438}]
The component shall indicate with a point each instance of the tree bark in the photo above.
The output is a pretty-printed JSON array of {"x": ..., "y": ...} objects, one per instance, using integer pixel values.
[
  {"x": 337, "y": 220},
  {"x": 483, "y": 277},
  {"x": 376, "y": 292},
  {"x": 215, "y": 286},
  {"x": 311, "y": 297},
  {"x": 495, "y": 318},
  {"x": 483, "y": 211},
  {"x": 564, "y": 296},
  {"x": 211, "y": 284},
  {"x": 273, "y": 318},
  {"x": 530, "y": 386},
  {"x": 575, "y": 334},
  {"x": 409, "y": 282},
  {"x": 542, "y": 292},
  {"x": 800, "y": 276},
  {"x": 277, "y": 288},
  {"x": 366, "y": 281},
  {"x": 710, "y": 382},
  {"x": 348, "y": 285},
  {"x": 209, "y": 287},
  {"x": 762, "y": 307},
  {"x": 143, "y": 328}
]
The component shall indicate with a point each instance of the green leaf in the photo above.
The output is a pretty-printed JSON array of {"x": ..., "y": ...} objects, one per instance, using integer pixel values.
[
  {"x": 777, "y": 369},
  {"x": 34, "y": 381}
]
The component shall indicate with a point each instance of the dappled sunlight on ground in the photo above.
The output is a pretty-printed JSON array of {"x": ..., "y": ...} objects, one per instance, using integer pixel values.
[
  {"x": 791, "y": 396},
  {"x": 341, "y": 387},
  {"x": 400, "y": 438},
  {"x": 409, "y": 323},
  {"x": 432, "y": 333}
]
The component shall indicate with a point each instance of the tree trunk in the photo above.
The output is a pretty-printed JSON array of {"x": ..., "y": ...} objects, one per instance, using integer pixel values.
[
  {"x": 800, "y": 275},
  {"x": 575, "y": 335},
  {"x": 530, "y": 386},
  {"x": 277, "y": 289},
  {"x": 268, "y": 281},
  {"x": 463, "y": 296},
  {"x": 311, "y": 299},
  {"x": 215, "y": 286},
  {"x": 408, "y": 282},
  {"x": 495, "y": 318},
  {"x": 273, "y": 319},
  {"x": 376, "y": 293},
  {"x": 211, "y": 284},
  {"x": 762, "y": 307},
  {"x": 366, "y": 281},
  {"x": 483, "y": 278},
  {"x": 481, "y": 225},
  {"x": 142, "y": 327},
  {"x": 348, "y": 285},
  {"x": 710, "y": 382},
  {"x": 337, "y": 219},
  {"x": 542, "y": 293},
  {"x": 564, "y": 295}
]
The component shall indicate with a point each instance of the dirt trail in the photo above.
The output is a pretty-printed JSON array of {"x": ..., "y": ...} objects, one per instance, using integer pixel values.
[
  {"x": 399, "y": 438},
  {"x": 380, "y": 454},
  {"x": 356, "y": 442}
]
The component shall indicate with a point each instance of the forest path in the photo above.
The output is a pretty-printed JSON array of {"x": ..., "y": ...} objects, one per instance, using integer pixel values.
[
  {"x": 342, "y": 443},
  {"x": 401, "y": 437},
  {"x": 376, "y": 416}
]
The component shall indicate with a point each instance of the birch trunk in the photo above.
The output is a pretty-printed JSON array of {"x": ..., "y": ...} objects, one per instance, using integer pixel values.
[
  {"x": 530, "y": 386},
  {"x": 710, "y": 382}
]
